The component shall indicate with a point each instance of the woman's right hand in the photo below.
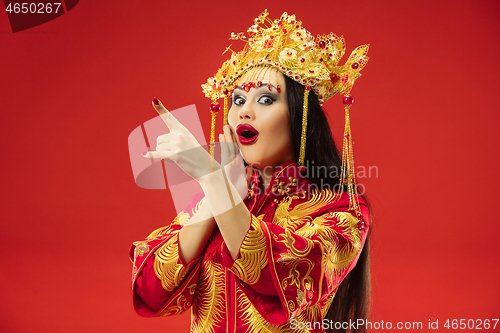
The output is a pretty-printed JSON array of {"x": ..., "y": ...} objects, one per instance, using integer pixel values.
[{"x": 181, "y": 146}]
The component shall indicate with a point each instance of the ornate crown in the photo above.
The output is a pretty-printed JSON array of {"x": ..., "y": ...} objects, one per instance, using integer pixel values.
[{"x": 285, "y": 45}]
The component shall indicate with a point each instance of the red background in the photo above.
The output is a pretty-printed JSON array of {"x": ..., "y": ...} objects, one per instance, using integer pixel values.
[{"x": 71, "y": 91}]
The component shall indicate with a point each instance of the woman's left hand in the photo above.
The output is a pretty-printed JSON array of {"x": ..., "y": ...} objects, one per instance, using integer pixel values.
[
  {"x": 232, "y": 161},
  {"x": 181, "y": 147}
]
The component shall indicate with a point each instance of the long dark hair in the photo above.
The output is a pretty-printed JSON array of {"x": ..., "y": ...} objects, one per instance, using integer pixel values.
[{"x": 352, "y": 299}]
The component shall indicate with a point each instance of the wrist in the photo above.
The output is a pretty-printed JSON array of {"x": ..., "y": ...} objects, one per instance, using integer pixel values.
[{"x": 219, "y": 192}]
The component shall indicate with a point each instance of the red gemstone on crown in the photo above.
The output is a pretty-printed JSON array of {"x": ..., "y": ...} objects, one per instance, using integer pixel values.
[
  {"x": 348, "y": 100},
  {"x": 214, "y": 107},
  {"x": 259, "y": 83},
  {"x": 355, "y": 65},
  {"x": 322, "y": 44},
  {"x": 311, "y": 71},
  {"x": 302, "y": 59},
  {"x": 307, "y": 88}
]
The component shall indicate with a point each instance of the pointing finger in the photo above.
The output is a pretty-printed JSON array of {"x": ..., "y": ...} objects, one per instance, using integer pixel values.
[{"x": 171, "y": 122}]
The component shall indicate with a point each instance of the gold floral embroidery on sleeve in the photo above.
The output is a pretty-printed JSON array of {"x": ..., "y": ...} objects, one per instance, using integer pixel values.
[
  {"x": 253, "y": 254},
  {"x": 141, "y": 248},
  {"x": 166, "y": 265}
]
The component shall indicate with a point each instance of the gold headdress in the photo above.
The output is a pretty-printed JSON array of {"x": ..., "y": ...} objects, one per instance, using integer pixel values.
[{"x": 285, "y": 45}]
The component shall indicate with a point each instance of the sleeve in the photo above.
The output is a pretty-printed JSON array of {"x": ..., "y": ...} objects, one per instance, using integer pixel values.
[
  {"x": 306, "y": 259},
  {"x": 161, "y": 283}
]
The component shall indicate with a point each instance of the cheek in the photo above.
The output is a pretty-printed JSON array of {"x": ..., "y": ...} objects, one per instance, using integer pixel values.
[
  {"x": 279, "y": 122},
  {"x": 277, "y": 128}
]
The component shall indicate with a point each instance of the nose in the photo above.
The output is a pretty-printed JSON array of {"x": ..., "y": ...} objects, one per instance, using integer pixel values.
[{"x": 246, "y": 112}]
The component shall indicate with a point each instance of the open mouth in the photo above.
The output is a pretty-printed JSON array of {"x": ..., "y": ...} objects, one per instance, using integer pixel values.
[{"x": 247, "y": 134}]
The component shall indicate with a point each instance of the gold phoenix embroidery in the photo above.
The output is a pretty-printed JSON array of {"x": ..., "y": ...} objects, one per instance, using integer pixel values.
[
  {"x": 337, "y": 233},
  {"x": 253, "y": 254},
  {"x": 209, "y": 301},
  {"x": 166, "y": 265}
]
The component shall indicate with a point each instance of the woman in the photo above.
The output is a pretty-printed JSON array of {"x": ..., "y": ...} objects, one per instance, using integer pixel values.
[{"x": 266, "y": 248}]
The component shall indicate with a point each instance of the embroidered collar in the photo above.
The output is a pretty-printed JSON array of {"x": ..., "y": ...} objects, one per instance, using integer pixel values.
[{"x": 284, "y": 181}]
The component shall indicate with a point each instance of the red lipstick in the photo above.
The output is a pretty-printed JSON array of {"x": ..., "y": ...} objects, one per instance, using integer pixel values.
[{"x": 247, "y": 134}]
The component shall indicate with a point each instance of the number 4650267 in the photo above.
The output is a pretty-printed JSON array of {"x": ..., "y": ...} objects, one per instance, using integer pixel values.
[
  {"x": 33, "y": 8},
  {"x": 471, "y": 324}
]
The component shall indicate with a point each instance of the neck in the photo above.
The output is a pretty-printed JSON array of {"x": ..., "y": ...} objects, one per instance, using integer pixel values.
[{"x": 266, "y": 174}]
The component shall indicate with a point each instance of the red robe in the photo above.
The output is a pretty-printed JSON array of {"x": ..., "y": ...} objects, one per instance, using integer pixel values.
[{"x": 300, "y": 246}]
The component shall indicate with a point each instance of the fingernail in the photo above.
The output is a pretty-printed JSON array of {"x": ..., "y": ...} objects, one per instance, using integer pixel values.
[
  {"x": 156, "y": 101},
  {"x": 144, "y": 153}
]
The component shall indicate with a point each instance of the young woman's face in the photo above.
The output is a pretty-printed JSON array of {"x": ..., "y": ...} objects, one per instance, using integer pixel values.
[{"x": 260, "y": 119}]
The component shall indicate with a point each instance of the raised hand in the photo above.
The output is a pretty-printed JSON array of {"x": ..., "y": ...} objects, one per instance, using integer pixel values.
[
  {"x": 181, "y": 147},
  {"x": 232, "y": 161}
]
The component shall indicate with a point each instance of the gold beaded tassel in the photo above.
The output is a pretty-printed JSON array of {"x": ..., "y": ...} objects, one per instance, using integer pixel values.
[
  {"x": 348, "y": 174},
  {"x": 226, "y": 93},
  {"x": 214, "y": 108},
  {"x": 302, "y": 154}
]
